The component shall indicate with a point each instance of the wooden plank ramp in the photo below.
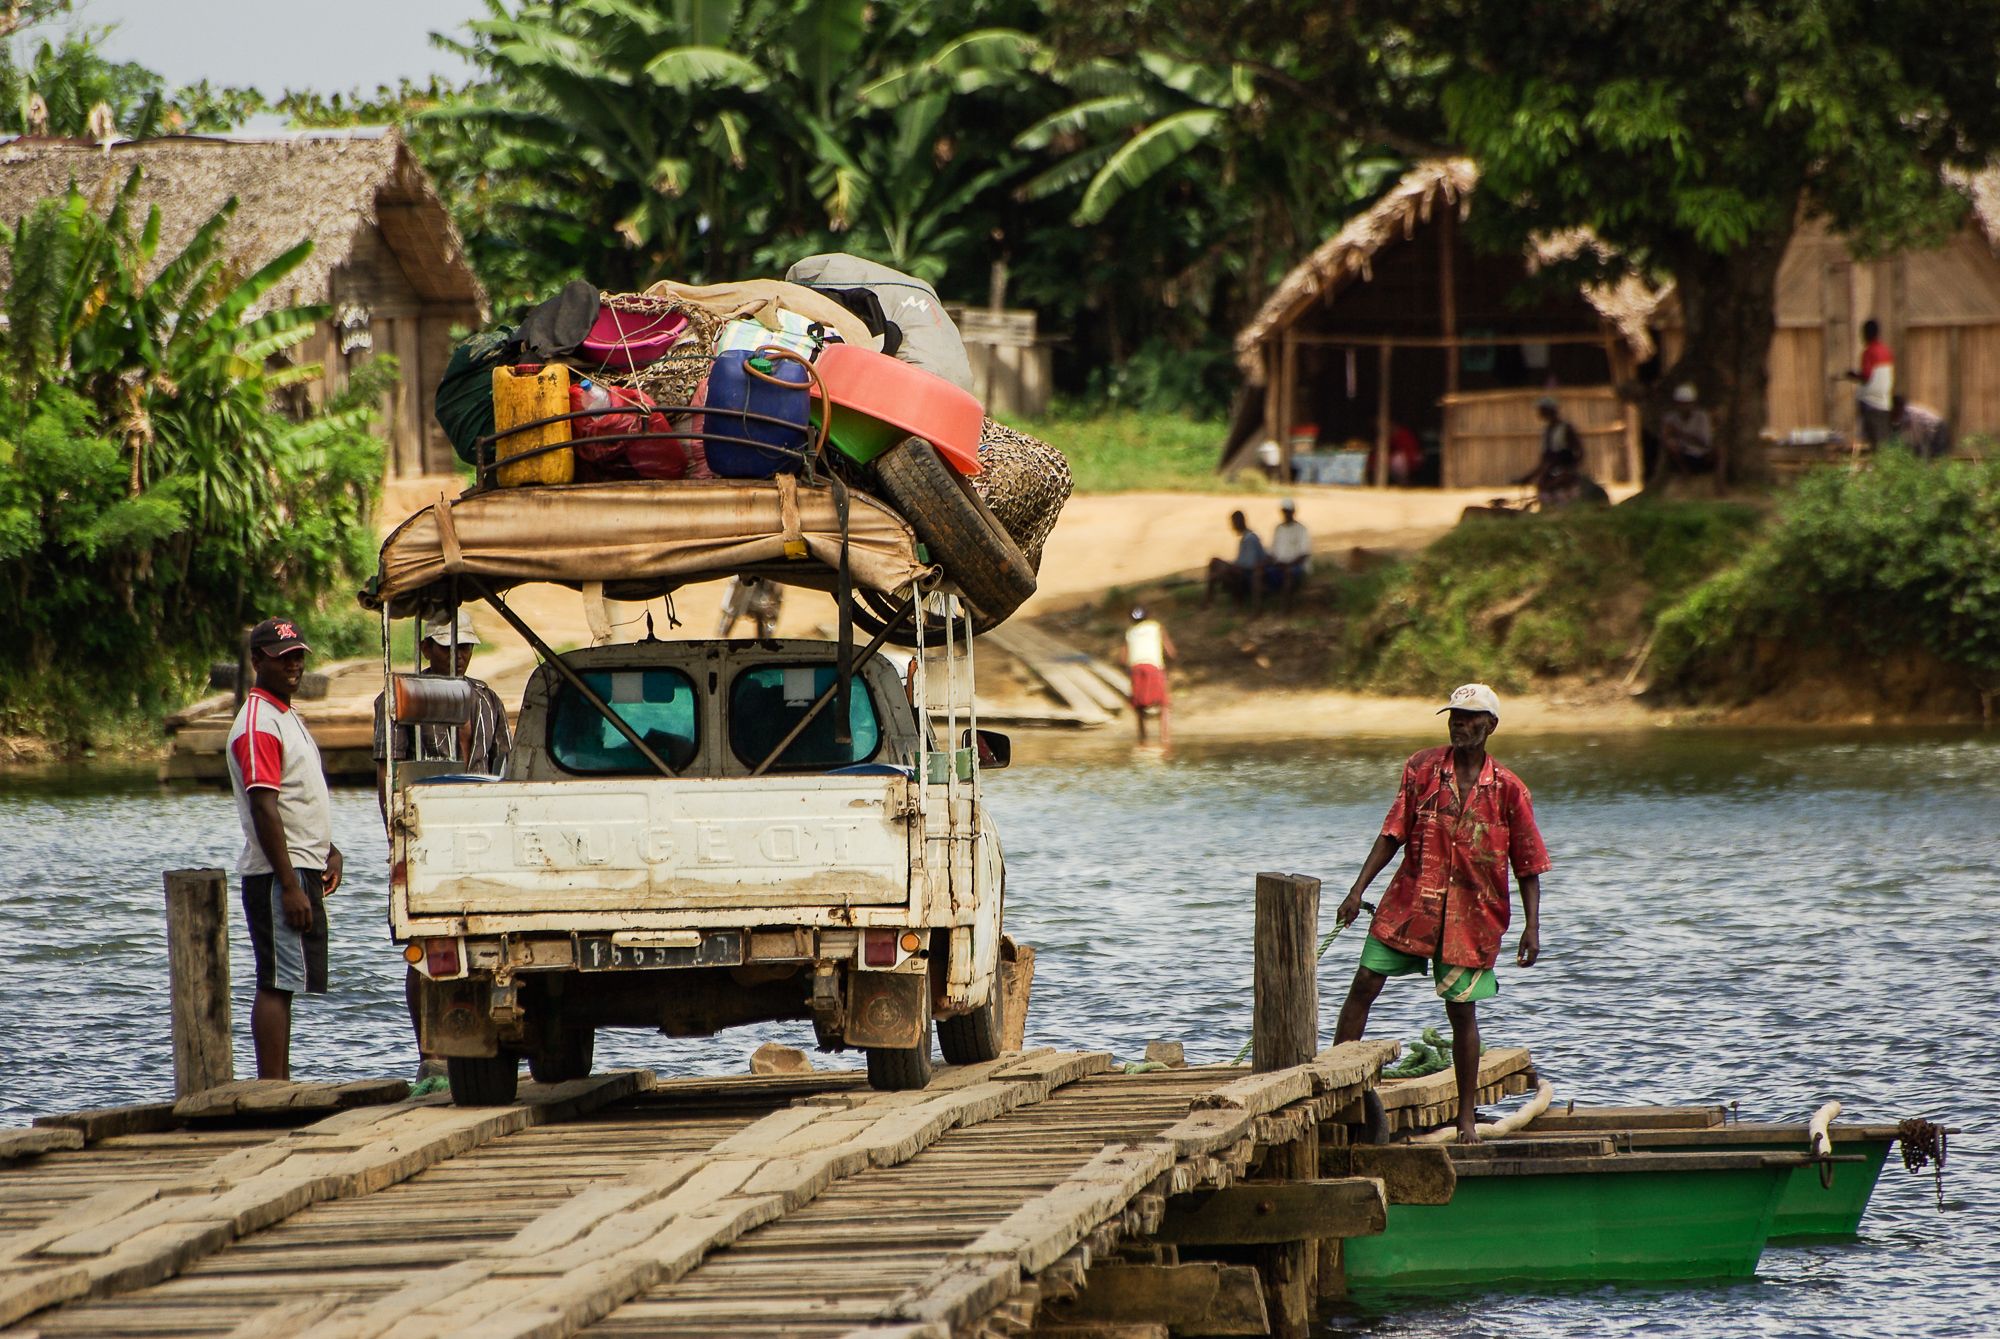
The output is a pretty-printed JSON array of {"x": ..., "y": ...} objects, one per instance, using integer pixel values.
[
  {"x": 1087, "y": 688},
  {"x": 803, "y": 1205}
]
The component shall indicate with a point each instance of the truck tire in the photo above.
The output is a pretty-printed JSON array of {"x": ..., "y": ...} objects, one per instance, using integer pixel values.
[
  {"x": 484, "y": 1080},
  {"x": 899, "y": 1068},
  {"x": 873, "y": 610},
  {"x": 972, "y": 1038},
  {"x": 568, "y": 1055},
  {"x": 962, "y": 534}
]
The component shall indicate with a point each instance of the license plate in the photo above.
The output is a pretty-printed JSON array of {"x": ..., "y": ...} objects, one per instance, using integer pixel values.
[{"x": 596, "y": 953}]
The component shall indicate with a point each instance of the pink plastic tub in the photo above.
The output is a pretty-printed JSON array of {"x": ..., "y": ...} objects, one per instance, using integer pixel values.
[
  {"x": 628, "y": 341},
  {"x": 878, "y": 400}
]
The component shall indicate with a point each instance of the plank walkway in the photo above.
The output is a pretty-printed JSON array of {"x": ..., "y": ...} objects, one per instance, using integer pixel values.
[{"x": 616, "y": 1205}]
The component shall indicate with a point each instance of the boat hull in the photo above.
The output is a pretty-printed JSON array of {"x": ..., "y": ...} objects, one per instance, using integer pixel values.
[{"x": 1587, "y": 1226}]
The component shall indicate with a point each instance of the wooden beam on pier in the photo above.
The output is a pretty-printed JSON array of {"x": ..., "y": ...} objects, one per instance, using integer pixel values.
[
  {"x": 1409, "y": 1173},
  {"x": 1202, "y": 1297},
  {"x": 32, "y": 1143},
  {"x": 1268, "y": 1212},
  {"x": 286, "y": 1098}
]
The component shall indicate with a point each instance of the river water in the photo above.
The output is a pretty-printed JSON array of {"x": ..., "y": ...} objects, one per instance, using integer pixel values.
[{"x": 1774, "y": 920}]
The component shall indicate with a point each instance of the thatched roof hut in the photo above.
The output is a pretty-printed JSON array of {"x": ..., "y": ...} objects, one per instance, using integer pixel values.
[
  {"x": 386, "y": 256},
  {"x": 1396, "y": 323}
]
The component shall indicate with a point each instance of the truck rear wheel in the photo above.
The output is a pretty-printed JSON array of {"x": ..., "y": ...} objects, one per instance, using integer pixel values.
[
  {"x": 897, "y": 1068},
  {"x": 483, "y": 1080},
  {"x": 567, "y": 1056},
  {"x": 972, "y": 1038}
]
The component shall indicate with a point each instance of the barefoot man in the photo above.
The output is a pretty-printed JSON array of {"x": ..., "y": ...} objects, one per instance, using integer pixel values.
[{"x": 1463, "y": 819}]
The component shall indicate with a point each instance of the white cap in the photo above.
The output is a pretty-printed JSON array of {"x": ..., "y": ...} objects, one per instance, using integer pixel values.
[
  {"x": 1684, "y": 394},
  {"x": 1473, "y": 697},
  {"x": 1288, "y": 505},
  {"x": 439, "y": 630}
]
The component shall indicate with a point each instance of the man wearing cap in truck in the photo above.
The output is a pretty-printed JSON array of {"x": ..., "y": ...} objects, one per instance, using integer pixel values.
[
  {"x": 1461, "y": 819},
  {"x": 480, "y": 745},
  {"x": 289, "y": 862}
]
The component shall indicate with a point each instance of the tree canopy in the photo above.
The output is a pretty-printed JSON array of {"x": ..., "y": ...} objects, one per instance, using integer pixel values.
[{"x": 1691, "y": 138}]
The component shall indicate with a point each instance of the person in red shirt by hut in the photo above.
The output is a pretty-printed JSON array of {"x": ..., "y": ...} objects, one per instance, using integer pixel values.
[{"x": 1461, "y": 819}]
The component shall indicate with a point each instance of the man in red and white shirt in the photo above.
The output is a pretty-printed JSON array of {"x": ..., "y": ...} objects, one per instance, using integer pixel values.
[
  {"x": 1875, "y": 398},
  {"x": 289, "y": 862}
]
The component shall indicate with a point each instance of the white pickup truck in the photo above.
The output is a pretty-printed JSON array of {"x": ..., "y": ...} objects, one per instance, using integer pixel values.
[
  {"x": 588, "y": 890},
  {"x": 691, "y": 835}
]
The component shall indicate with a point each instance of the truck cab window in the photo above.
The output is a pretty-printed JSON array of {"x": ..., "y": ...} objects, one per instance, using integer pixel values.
[
  {"x": 766, "y": 702},
  {"x": 659, "y": 705}
]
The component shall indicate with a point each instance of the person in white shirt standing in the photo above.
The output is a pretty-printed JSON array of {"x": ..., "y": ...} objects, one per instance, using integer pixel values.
[
  {"x": 289, "y": 862},
  {"x": 1147, "y": 650},
  {"x": 1291, "y": 550}
]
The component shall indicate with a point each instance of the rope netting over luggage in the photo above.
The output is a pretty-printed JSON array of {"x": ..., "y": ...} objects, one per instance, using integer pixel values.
[{"x": 1024, "y": 481}]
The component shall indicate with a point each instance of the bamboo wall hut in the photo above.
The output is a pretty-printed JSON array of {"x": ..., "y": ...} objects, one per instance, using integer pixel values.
[
  {"x": 1939, "y": 309},
  {"x": 1397, "y": 322},
  {"x": 385, "y": 258}
]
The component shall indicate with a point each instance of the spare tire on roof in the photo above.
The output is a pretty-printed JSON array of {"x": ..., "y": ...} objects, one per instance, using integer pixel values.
[{"x": 960, "y": 532}]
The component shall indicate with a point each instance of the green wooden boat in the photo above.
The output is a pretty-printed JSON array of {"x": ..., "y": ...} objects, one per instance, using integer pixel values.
[
  {"x": 1529, "y": 1212},
  {"x": 1818, "y": 1204}
]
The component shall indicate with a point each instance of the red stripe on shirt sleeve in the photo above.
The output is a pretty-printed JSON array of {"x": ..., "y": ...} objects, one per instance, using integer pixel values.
[{"x": 260, "y": 755}]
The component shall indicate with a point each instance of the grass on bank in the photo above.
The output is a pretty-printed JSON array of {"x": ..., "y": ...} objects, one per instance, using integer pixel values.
[
  {"x": 1881, "y": 587},
  {"x": 1114, "y": 450}
]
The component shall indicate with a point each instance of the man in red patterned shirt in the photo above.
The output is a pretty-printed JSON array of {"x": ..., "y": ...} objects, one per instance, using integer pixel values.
[{"x": 1461, "y": 819}]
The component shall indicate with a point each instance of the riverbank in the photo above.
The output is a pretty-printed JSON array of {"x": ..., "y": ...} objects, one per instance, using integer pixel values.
[{"x": 1853, "y": 599}]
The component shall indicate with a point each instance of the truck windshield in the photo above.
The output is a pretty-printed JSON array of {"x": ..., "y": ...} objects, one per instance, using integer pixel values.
[
  {"x": 766, "y": 702},
  {"x": 659, "y": 704}
]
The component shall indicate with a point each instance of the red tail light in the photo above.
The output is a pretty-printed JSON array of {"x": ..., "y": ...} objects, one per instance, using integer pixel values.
[
  {"x": 878, "y": 948},
  {"x": 441, "y": 957}
]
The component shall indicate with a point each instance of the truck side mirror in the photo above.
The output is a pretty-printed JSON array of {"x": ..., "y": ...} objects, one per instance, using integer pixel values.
[{"x": 995, "y": 749}]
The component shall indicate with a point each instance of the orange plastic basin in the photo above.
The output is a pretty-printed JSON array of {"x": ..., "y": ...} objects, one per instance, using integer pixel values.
[{"x": 901, "y": 397}]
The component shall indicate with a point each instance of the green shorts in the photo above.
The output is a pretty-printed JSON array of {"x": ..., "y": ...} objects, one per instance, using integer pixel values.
[{"x": 1455, "y": 985}]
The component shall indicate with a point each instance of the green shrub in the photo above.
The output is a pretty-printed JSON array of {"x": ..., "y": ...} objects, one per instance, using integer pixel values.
[
  {"x": 1902, "y": 556},
  {"x": 1509, "y": 599}
]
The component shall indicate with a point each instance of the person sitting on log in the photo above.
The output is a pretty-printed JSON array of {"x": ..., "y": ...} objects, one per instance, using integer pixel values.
[{"x": 1461, "y": 819}]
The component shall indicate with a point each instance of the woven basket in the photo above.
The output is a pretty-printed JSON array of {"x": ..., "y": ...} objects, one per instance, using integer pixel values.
[{"x": 1024, "y": 481}]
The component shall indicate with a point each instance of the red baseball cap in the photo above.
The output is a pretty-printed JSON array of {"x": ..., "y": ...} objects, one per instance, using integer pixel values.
[{"x": 277, "y": 636}]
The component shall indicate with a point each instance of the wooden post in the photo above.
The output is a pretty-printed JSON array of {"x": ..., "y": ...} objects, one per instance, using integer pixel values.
[
  {"x": 198, "y": 967},
  {"x": 1284, "y": 1031},
  {"x": 1284, "y": 1026},
  {"x": 1288, "y": 407},
  {"x": 1382, "y": 422},
  {"x": 1448, "y": 294}
]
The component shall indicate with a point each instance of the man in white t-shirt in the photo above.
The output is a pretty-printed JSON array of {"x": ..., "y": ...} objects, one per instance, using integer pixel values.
[
  {"x": 1291, "y": 550},
  {"x": 289, "y": 862}
]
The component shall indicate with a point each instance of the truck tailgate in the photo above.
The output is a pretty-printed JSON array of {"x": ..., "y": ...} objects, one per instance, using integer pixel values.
[{"x": 632, "y": 844}]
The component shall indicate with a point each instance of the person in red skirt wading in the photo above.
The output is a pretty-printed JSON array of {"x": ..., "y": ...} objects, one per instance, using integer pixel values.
[
  {"x": 1461, "y": 819},
  {"x": 1147, "y": 651}
]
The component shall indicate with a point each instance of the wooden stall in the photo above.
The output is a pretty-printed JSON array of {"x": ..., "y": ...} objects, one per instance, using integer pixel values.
[
  {"x": 1399, "y": 325},
  {"x": 1491, "y": 437},
  {"x": 1010, "y": 363},
  {"x": 386, "y": 259}
]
